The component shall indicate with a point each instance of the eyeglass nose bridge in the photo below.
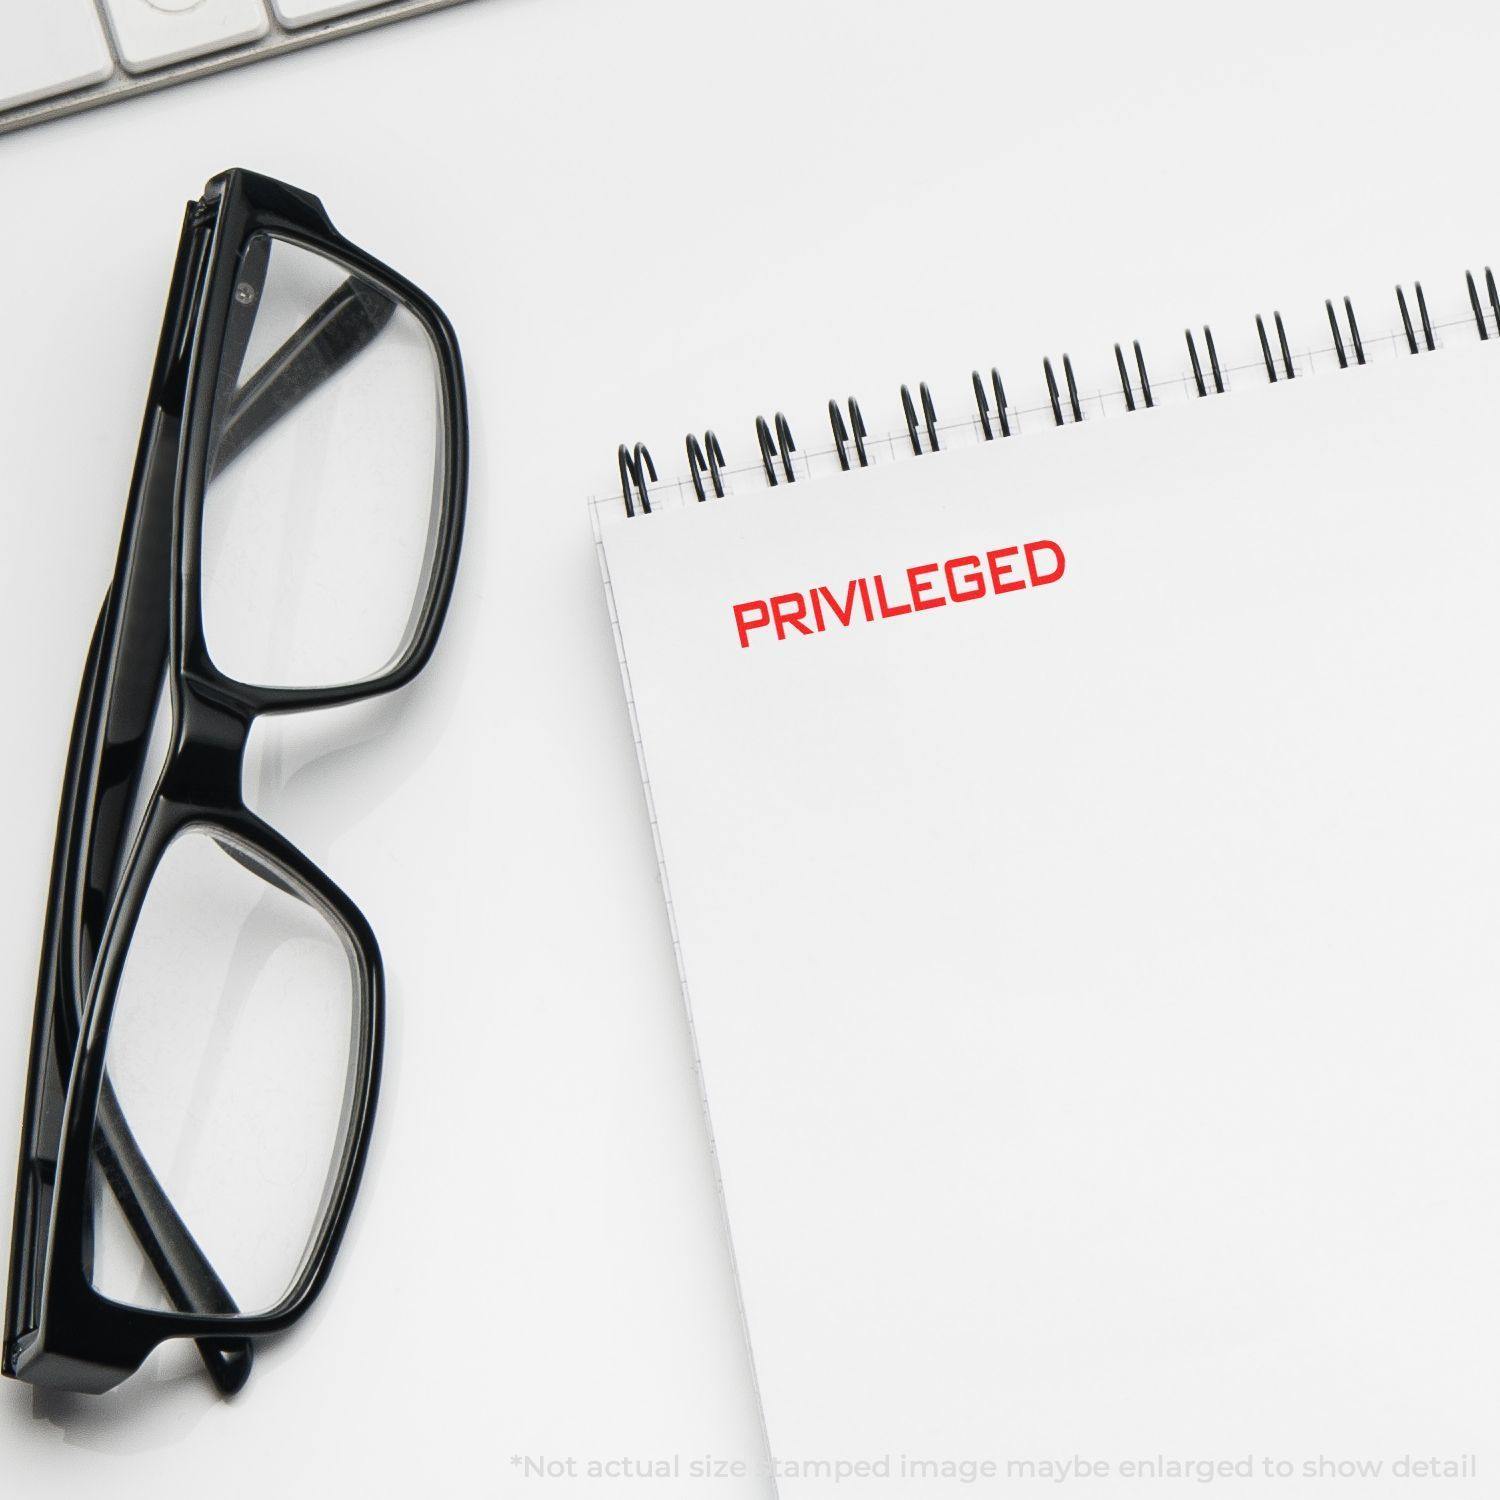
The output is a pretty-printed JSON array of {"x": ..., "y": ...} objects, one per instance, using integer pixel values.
[{"x": 208, "y": 749}]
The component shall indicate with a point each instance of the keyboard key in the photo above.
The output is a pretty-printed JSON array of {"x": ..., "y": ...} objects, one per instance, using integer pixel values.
[
  {"x": 305, "y": 12},
  {"x": 48, "y": 47},
  {"x": 152, "y": 33}
]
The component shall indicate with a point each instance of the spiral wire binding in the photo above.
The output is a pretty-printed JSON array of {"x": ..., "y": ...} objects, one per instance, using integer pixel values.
[
  {"x": 1489, "y": 286},
  {"x": 1213, "y": 360},
  {"x": 698, "y": 464},
  {"x": 1265, "y": 347},
  {"x": 841, "y": 433},
  {"x": 769, "y": 447},
  {"x": 982, "y": 402},
  {"x": 1052, "y": 393},
  {"x": 995, "y": 415},
  {"x": 1411, "y": 338},
  {"x": 1338, "y": 340},
  {"x": 1140, "y": 364},
  {"x": 929, "y": 416},
  {"x": 630, "y": 473},
  {"x": 1197, "y": 368}
]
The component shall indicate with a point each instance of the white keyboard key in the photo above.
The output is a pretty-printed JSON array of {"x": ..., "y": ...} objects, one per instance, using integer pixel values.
[
  {"x": 305, "y": 12},
  {"x": 152, "y": 33},
  {"x": 48, "y": 47}
]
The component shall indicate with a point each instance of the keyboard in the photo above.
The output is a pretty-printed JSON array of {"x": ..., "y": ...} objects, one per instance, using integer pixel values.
[{"x": 59, "y": 56}]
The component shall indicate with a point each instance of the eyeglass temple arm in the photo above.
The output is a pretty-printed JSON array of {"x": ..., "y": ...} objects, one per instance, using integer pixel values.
[
  {"x": 184, "y": 1271},
  {"x": 345, "y": 324}
]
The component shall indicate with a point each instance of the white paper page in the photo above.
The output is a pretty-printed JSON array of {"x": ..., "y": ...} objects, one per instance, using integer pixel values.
[{"x": 1095, "y": 985}]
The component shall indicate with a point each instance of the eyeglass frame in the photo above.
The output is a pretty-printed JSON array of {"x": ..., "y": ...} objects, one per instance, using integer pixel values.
[{"x": 59, "y": 1330}]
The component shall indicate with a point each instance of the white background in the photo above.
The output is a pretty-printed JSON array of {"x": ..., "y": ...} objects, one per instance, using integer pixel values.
[{"x": 640, "y": 218}]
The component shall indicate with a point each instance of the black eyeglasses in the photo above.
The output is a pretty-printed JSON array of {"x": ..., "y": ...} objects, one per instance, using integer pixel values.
[{"x": 206, "y": 1048}]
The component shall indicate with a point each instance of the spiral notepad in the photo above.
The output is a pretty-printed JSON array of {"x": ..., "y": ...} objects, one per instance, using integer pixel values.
[{"x": 1077, "y": 821}]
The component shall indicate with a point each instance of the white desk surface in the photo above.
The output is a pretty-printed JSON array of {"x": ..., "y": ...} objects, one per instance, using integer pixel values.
[{"x": 639, "y": 217}]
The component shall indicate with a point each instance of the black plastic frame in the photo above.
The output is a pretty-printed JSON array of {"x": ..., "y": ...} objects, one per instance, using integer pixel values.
[{"x": 61, "y": 1332}]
